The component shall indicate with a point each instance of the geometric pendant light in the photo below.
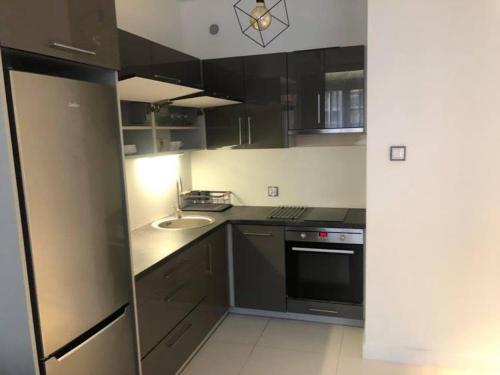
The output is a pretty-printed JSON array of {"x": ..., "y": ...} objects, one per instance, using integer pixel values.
[{"x": 262, "y": 23}]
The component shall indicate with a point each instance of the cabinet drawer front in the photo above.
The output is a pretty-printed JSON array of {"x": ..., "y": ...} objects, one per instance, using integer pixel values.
[
  {"x": 336, "y": 310},
  {"x": 259, "y": 267},
  {"x": 169, "y": 293},
  {"x": 176, "y": 348}
]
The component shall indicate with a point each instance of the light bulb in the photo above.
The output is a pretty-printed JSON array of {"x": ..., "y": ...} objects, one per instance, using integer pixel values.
[{"x": 261, "y": 16}]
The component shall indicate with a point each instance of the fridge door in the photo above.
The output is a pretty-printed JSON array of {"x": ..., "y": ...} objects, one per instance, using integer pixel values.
[
  {"x": 68, "y": 140},
  {"x": 108, "y": 352}
]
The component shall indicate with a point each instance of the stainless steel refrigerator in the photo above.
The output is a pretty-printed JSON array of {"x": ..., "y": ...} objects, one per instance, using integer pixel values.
[{"x": 66, "y": 137}]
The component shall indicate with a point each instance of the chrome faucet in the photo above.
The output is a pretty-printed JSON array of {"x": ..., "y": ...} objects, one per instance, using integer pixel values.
[{"x": 178, "y": 211}]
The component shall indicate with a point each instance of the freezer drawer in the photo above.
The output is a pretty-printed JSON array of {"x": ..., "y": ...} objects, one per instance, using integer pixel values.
[
  {"x": 69, "y": 152},
  {"x": 110, "y": 351}
]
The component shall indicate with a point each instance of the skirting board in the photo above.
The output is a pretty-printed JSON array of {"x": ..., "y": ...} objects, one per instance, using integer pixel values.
[
  {"x": 295, "y": 316},
  {"x": 430, "y": 357}
]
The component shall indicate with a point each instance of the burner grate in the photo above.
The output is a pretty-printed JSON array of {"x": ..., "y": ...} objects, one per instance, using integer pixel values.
[{"x": 287, "y": 212}]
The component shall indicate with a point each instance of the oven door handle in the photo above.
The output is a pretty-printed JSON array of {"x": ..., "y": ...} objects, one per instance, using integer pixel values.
[{"x": 331, "y": 251}]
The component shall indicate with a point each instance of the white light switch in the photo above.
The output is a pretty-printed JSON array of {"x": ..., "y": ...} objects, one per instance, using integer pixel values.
[
  {"x": 398, "y": 153},
  {"x": 273, "y": 191}
]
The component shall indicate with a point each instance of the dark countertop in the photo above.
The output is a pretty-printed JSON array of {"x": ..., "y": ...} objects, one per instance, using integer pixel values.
[{"x": 151, "y": 246}]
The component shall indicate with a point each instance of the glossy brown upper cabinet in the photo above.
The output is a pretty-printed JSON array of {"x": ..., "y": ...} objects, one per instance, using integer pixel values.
[
  {"x": 260, "y": 82},
  {"x": 326, "y": 90},
  {"x": 141, "y": 57},
  {"x": 76, "y": 30},
  {"x": 224, "y": 77}
]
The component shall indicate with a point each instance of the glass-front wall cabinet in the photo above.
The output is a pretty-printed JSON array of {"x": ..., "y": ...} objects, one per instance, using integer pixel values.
[{"x": 327, "y": 90}]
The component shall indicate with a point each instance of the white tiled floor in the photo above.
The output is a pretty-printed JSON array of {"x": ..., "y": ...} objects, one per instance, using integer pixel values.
[{"x": 257, "y": 346}]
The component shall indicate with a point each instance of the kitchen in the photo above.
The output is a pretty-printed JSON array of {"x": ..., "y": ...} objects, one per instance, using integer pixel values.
[{"x": 248, "y": 212}]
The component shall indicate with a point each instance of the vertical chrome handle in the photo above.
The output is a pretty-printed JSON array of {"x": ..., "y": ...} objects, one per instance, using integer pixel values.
[
  {"x": 319, "y": 108},
  {"x": 239, "y": 126},
  {"x": 210, "y": 261},
  {"x": 249, "y": 130},
  {"x": 72, "y": 48}
]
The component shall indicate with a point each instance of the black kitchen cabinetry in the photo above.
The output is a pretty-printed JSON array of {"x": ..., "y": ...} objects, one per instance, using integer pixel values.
[
  {"x": 259, "y": 267},
  {"x": 226, "y": 126},
  {"x": 179, "y": 302},
  {"x": 144, "y": 58},
  {"x": 327, "y": 90},
  {"x": 224, "y": 78},
  {"x": 259, "y": 81},
  {"x": 82, "y": 31}
]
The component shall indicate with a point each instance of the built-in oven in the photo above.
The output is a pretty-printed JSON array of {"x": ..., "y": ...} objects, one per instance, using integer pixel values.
[{"x": 325, "y": 265}]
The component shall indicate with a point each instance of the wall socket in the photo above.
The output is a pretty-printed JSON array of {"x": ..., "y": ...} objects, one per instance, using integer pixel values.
[{"x": 273, "y": 191}]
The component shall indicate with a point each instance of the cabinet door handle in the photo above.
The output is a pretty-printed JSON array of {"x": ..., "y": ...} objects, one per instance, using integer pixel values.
[
  {"x": 174, "y": 294},
  {"x": 178, "y": 336},
  {"x": 255, "y": 234},
  {"x": 210, "y": 262},
  {"x": 72, "y": 49},
  {"x": 319, "y": 108},
  {"x": 324, "y": 311},
  {"x": 239, "y": 126},
  {"x": 165, "y": 78},
  {"x": 173, "y": 271},
  {"x": 249, "y": 120}
]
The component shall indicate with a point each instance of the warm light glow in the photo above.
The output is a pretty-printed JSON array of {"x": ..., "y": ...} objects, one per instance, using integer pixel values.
[
  {"x": 261, "y": 17},
  {"x": 156, "y": 174}
]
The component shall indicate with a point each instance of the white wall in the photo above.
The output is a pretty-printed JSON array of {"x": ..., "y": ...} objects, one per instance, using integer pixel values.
[
  {"x": 157, "y": 20},
  {"x": 433, "y": 253},
  {"x": 183, "y": 25},
  {"x": 314, "y": 24},
  {"x": 312, "y": 176},
  {"x": 151, "y": 186}
]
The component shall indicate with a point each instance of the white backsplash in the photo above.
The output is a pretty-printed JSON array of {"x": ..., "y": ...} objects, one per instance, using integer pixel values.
[{"x": 151, "y": 186}]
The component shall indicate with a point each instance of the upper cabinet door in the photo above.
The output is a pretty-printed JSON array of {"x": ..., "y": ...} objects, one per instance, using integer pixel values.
[
  {"x": 306, "y": 89},
  {"x": 76, "y": 30},
  {"x": 344, "y": 95},
  {"x": 266, "y": 89},
  {"x": 226, "y": 126},
  {"x": 224, "y": 78},
  {"x": 176, "y": 67},
  {"x": 135, "y": 55}
]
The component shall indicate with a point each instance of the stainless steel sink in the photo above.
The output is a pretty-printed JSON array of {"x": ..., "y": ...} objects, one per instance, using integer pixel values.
[{"x": 184, "y": 222}]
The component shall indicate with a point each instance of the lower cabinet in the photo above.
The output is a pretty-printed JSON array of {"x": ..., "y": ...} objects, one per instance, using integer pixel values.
[
  {"x": 259, "y": 267},
  {"x": 179, "y": 303}
]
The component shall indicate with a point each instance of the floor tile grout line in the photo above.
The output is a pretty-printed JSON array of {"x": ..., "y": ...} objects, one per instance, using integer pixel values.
[
  {"x": 340, "y": 351},
  {"x": 254, "y": 346}
]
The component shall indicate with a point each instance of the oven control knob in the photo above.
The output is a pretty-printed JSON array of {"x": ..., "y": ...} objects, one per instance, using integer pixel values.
[
  {"x": 303, "y": 236},
  {"x": 342, "y": 237}
]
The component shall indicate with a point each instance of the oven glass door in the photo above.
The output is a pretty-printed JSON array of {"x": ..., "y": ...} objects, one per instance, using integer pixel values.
[{"x": 325, "y": 271}]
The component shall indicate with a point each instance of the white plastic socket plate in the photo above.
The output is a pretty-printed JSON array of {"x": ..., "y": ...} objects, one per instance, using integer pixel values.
[
  {"x": 398, "y": 153},
  {"x": 272, "y": 191}
]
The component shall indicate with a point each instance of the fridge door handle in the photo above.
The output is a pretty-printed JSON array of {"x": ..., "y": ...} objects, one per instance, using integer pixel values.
[{"x": 77, "y": 344}]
